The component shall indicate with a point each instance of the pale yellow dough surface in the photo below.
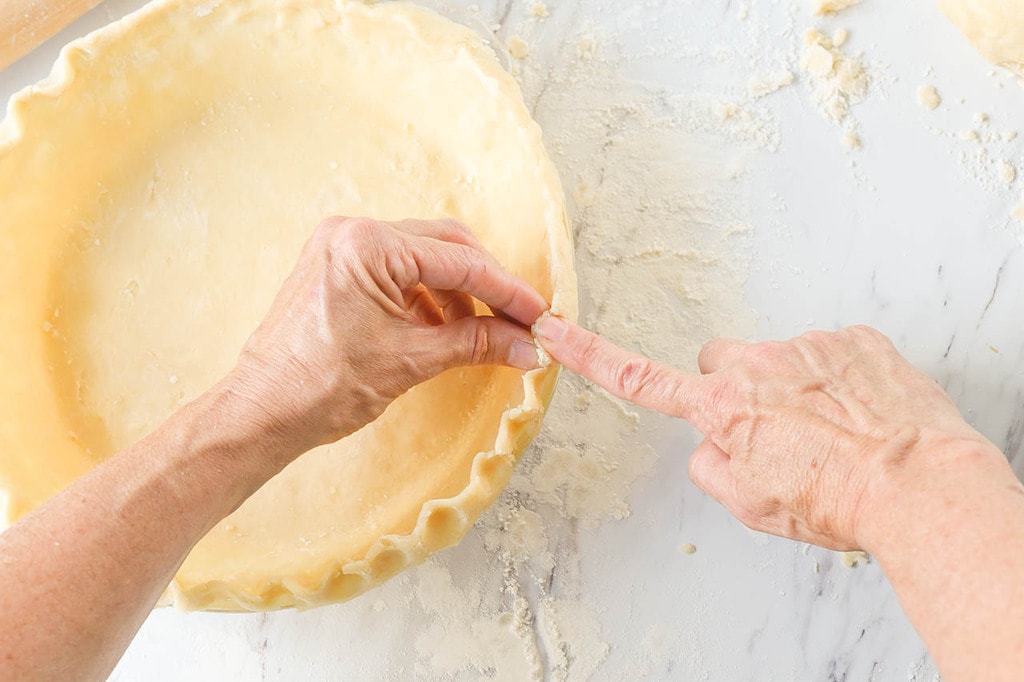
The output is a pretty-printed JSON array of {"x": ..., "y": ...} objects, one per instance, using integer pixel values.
[
  {"x": 994, "y": 27},
  {"x": 155, "y": 192}
]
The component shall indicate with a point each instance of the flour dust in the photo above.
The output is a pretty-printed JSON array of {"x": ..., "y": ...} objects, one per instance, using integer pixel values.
[{"x": 655, "y": 179}]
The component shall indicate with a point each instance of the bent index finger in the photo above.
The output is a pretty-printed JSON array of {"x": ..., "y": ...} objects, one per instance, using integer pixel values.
[
  {"x": 456, "y": 267},
  {"x": 630, "y": 376}
]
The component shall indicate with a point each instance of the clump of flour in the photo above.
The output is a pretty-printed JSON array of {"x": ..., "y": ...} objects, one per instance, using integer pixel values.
[{"x": 838, "y": 80}]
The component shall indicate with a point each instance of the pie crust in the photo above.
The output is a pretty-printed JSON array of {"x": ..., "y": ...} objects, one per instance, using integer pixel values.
[
  {"x": 155, "y": 190},
  {"x": 994, "y": 27}
]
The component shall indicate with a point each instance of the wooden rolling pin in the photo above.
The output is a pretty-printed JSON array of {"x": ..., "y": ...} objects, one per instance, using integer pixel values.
[{"x": 24, "y": 24}]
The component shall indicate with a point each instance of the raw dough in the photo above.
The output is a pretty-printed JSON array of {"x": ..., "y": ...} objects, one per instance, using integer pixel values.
[
  {"x": 928, "y": 97},
  {"x": 831, "y": 6},
  {"x": 837, "y": 79},
  {"x": 155, "y": 191},
  {"x": 994, "y": 27}
]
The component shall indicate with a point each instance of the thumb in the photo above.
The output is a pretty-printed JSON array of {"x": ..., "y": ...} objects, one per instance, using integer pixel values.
[
  {"x": 482, "y": 341},
  {"x": 711, "y": 472}
]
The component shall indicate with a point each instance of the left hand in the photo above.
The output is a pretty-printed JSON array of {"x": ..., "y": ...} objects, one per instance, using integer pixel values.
[
  {"x": 371, "y": 310},
  {"x": 811, "y": 439}
]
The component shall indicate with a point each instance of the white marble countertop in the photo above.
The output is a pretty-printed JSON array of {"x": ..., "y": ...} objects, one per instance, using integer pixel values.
[{"x": 911, "y": 234}]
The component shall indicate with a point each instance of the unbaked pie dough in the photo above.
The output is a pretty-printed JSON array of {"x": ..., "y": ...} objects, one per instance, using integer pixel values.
[
  {"x": 154, "y": 193},
  {"x": 994, "y": 27}
]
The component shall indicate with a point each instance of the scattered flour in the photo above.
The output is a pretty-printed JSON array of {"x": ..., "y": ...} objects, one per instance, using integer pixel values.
[
  {"x": 655, "y": 181},
  {"x": 851, "y": 140},
  {"x": 838, "y": 81},
  {"x": 760, "y": 86},
  {"x": 986, "y": 155}
]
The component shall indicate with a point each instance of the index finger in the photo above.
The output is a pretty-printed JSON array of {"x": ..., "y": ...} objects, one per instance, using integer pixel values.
[
  {"x": 456, "y": 267},
  {"x": 630, "y": 376}
]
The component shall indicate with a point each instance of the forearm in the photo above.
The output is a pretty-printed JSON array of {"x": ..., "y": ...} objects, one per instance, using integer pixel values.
[
  {"x": 952, "y": 544},
  {"x": 79, "y": 575}
]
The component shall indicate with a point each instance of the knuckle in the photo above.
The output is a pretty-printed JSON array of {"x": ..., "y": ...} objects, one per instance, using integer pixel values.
[
  {"x": 587, "y": 351},
  {"x": 634, "y": 377},
  {"x": 719, "y": 402},
  {"x": 768, "y": 352},
  {"x": 476, "y": 270},
  {"x": 818, "y": 338},
  {"x": 870, "y": 335},
  {"x": 482, "y": 346},
  {"x": 330, "y": 224},
  {"x": 353, "y": 232}
]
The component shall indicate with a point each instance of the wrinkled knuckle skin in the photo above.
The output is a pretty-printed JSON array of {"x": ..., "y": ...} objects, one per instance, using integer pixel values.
[
  {"x": 718, "y": 400},
  {"x": 586, "y": 350},
  {"x": 482, "y": 348},
  {"x": 633, "y": 377},
  {"x": 476, "y": 269}
]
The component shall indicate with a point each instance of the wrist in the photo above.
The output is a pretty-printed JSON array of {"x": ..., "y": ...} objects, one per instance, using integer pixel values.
[
  {"x": 914, "y": 498},
  {"x": 223, "y": 429}
]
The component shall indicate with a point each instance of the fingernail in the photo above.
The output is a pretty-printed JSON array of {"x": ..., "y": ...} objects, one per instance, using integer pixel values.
[
  {"x": 523, "y": 355},
  {"x": 551, "y": 327}
]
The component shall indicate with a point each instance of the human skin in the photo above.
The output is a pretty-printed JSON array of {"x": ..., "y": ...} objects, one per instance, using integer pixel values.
[
  {"x": 836, "y": 440},
  {"x": 370, "y": 310}
]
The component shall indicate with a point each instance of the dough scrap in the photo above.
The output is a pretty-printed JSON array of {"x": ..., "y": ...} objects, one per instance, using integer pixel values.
[
  {"x": 994, "y": 27},
  {"x": 838, "y": 80},
  {"x": 819, "y": 7},
  {"x": 928, "y": 97},
  {"x": 155, "y": 191}
]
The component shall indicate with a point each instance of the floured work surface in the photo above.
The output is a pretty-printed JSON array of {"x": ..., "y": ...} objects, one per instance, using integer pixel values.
[{"x": 155, "y": 192}]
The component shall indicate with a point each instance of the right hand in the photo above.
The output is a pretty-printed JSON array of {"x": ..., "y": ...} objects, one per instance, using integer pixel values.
[{"x": 804, "y": 438}]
